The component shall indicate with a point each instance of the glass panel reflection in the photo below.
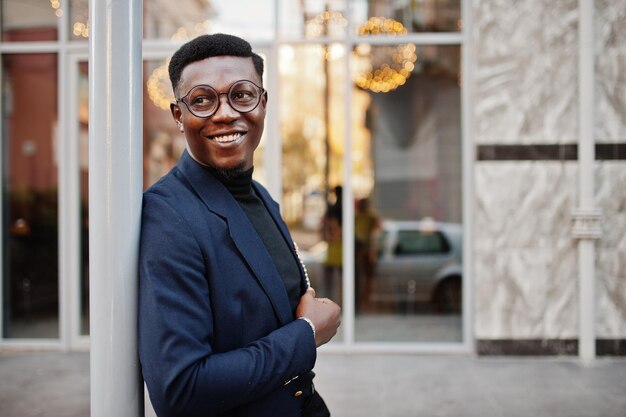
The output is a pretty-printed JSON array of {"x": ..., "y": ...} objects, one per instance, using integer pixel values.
[
  {"x": 312, "y": 129},
  {"x": 313, "y": 19},
  {"x": 163, "y": 143},
  {"x": 186, "y": 19},
  {"x": 79, "y": 19},
  {"x": 83, "y": 155},
  {"x": 30, "y": 20},
  {"x": 407, "y": 186},
  {"x": 412, "y": 16},
  {"x": 30, "y": 172}
]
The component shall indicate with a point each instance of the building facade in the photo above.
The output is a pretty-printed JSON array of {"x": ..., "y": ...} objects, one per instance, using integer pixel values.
[{"x": 426, "y": 155}]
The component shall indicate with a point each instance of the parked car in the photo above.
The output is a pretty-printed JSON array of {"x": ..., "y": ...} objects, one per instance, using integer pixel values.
[{"x": 417, "y": 262}]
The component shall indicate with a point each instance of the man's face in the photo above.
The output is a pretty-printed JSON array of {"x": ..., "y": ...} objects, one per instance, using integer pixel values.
[{"x": 226, "y": 140}]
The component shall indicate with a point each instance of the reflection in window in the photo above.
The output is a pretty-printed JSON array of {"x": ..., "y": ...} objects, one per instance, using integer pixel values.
[
  {"x": 30, "y": 20},
  {"x": 407, "y": 175},
  {"x": 83, "y": 155},
  {"x": 30, "y": 172},
  {"x": 186, "y": 19},
  {"x": 415, "y": 16},
  {"x": 79, "y": 19},
  {"x": 163, "y": 143},
  {"x": 312, "y": 115},
  {"x": 313, "y": 19}
]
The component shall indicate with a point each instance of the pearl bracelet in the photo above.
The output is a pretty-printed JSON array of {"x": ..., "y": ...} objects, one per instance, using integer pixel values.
[{"x": 308, "y": 320}]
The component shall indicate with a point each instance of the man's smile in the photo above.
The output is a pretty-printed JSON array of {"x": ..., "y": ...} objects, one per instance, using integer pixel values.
[{"x": 228, "y": 138}]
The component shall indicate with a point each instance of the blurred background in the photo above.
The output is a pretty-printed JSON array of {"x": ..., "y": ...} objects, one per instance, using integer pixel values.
[{"x": 424, "y": 152}]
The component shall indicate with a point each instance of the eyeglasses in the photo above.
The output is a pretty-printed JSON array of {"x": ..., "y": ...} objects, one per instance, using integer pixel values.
[{"x": 203, "y": 100}]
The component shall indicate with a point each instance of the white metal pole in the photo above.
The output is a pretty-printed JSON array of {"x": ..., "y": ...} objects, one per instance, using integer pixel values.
[
  {"x": 586, "y": 217},
  {"x": 273, "y": 141},
  {"x": 468, "y": 157},
  {"x": 115, "y": 187},
  {"x": 348, "y": 271}
]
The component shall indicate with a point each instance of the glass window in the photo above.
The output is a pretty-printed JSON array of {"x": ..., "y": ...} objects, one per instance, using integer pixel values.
[
  {"x": 407, "y": 185},
  {"x": 312, "y": 80},
  {"x": 186, "y": 19},
  {"x": 79, "y": 19},
  {"x": 30, "y": 20},
  {"x": 30, "y": 181},
  {"x": 83, "y": 155},
  {"x": 163, "y": 142},
  {"x": 313, "y": 19},
  {"x": 382, "y": 17}
]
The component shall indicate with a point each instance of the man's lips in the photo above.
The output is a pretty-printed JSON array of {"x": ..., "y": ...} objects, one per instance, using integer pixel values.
[{"x": 226, "y": 138}]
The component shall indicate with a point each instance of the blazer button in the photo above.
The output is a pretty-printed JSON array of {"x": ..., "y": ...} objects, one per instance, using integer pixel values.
[{"x": 297, "y": 393}]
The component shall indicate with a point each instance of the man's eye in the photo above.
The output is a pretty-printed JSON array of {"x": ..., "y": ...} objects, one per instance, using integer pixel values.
[
  {"x": 242, "y": 96},
  {"x": 200, "y": 101}
]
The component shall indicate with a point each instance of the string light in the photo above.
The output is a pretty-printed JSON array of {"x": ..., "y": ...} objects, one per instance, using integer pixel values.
[
  {"x": 320, "y": 24},
  {"x": 78, "y": 28},
  {"x": 389, "y": 75},
  {"x": 56, "y": 6},
  {"x": 81, "y": 29}
]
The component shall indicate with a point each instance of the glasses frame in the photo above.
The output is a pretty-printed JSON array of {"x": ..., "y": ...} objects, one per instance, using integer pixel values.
[{"x": 183, "y": 99}]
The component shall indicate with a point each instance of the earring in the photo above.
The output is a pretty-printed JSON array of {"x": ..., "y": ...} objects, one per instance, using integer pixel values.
[{"x": 180, "y": 127}]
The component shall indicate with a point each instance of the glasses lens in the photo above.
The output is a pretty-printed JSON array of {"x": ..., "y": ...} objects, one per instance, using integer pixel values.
[
  {"x": 244, "y": 96},
  {"x": 202, "y": 101}
]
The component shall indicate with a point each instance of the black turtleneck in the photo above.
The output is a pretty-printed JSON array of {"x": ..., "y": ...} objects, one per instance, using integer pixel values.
[{"x": 240, "y": 186}]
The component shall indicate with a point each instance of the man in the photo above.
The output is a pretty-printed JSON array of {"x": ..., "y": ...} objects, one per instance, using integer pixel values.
[{"x": 227, "y": 323}]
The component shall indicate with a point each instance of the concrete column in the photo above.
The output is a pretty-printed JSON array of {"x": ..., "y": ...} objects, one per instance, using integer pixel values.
[{"x": 115, "y": 187}]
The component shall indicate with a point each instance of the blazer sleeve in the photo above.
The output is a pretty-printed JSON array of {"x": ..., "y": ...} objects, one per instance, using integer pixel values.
[{"x": 184, "y": 376}]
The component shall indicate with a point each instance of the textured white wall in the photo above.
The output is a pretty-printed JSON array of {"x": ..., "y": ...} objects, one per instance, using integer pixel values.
[
  {"x": 526, "y": 87},
  {"x": 526, "y": 71},
  {"x": 525, "y": 259},
  {"x": 610, "y": 117}
]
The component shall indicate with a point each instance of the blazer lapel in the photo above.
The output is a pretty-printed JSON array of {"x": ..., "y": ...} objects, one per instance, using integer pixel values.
[{"x": 219, "y": 200}]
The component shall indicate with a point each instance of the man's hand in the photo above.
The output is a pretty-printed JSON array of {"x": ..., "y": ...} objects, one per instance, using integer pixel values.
[{"x": 324, "y": 313}]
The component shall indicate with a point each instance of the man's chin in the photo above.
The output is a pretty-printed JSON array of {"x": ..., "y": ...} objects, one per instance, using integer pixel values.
[{"x": 230, "y": 172}]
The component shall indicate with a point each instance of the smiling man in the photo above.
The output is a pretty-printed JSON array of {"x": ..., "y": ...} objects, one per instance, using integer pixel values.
[{"x": 228, "y": 325}]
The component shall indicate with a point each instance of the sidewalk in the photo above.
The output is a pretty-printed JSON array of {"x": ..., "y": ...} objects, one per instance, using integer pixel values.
[{"x": 57, "y": 385}]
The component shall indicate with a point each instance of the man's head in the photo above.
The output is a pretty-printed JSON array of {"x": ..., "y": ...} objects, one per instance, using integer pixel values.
[
  {"x": 220, "y": 102},
  {"x": 207, "y": 46}
]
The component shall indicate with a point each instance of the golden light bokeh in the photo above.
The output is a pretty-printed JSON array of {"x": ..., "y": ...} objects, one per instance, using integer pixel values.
[
  {"x": 159, "y": 87},
  {"x": 78, "y": 28},
  {"x": 319, "y": 25},
  {"x": 389, "y": 75}
]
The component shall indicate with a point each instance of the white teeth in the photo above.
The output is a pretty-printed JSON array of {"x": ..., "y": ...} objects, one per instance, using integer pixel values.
[{"x": 227, "y": 138}]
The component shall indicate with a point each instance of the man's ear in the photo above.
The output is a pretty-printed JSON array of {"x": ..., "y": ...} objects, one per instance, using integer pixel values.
[
  {"x": 264, "y": 100},
  {"x": 177, "y": 115}
]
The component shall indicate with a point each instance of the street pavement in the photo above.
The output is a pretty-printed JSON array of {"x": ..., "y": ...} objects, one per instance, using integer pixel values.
[{"x": 53, "y": 384}]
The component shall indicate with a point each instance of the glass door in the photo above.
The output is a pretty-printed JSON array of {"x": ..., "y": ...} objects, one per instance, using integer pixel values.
[
  {"x": 78, "y": 200},
  {"x": 372, "y": 144},
  {"x": 30, "y": 169}
]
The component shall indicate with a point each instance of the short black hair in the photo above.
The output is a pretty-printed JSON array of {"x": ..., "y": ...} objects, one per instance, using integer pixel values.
[{"x": 207, "y": 46}]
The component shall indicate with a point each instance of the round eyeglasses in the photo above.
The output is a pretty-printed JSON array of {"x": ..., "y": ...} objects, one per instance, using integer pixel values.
[{"x": 203, "y": 100}]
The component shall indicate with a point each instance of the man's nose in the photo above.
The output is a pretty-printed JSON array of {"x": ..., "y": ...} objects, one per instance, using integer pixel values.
[{"x": 224, "y": 109}]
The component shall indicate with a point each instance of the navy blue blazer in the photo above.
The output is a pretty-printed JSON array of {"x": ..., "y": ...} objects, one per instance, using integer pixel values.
[{"x": 217, "y": 336}]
